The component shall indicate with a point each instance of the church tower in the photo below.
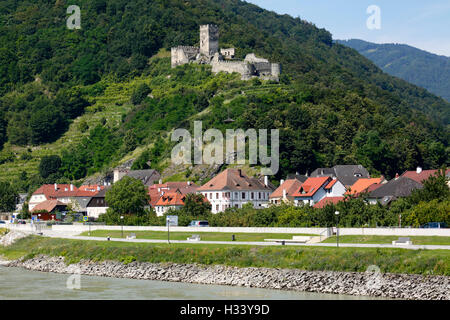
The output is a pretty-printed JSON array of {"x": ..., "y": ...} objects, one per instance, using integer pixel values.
[{"x": 209, "y": 39}]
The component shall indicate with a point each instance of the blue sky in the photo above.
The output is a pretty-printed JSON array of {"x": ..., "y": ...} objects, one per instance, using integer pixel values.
[{"x": 424, "y": 24}]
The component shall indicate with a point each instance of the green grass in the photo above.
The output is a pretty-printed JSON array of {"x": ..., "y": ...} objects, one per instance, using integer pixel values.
[
  {"x": 305, "y": 258},
  {"x": 3, "y": 231},
  {"x": 206, "y": 236},
  {"x": 419, "y": 240}
]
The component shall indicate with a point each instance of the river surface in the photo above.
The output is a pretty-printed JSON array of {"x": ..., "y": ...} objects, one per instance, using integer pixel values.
[{"x": 18, "y": 283}]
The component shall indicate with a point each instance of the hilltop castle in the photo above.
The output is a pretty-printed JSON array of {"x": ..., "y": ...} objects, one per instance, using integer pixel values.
[{"x": 223, "y": 60}]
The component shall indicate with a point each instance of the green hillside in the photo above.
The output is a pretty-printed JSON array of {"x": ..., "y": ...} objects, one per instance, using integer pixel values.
[
  {"x": 416, "y": 66},
  {"x": 106, "y": 93}
]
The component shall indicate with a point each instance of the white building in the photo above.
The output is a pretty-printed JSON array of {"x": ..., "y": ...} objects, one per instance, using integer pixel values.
[
  {"x": 232, "y": 189},
  {"x": 315, "y": 189}
]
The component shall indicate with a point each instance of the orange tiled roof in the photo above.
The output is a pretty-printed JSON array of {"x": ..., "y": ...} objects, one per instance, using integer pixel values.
[
  {"x": 328, "y": 200},
  {"x": 47, "y": 205},
  {"x": 290, "y": 185},
  {"x": 171, "y": 199},
  {"x": 363, "y": 184},
  {"x": 311, "y": 185},
  {"x": 331, "y": 184}
]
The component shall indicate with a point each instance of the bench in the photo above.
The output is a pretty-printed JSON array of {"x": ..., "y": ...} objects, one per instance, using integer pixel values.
[
  {"x": 131, "y": 236},
  {"x": 402, "y": 241},
  {"x": 295, "y": 239},
  {"x": 194, "y": 237}
]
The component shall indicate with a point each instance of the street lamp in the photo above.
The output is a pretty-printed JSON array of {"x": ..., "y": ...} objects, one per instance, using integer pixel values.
[
  {"x": 337, "y": 228},
  {"x": 121, "y": 219},
  {"x": 168, "y": 231}
]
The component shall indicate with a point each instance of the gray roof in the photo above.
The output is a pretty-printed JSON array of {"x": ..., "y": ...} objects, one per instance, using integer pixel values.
[
  {"x": 146, "y": 176},
  {"x": 396, "y": 188},
  {"x": 347, "y": 174},
  {"x": 83, "y": 201},
  {"x": 299, "y": 177}
]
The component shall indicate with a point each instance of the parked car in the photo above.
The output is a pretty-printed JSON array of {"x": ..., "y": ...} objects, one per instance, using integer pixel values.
[
  {"x": 21, "y": 222},
  {"x": 435, "y": 225},
  {"x": 2, "y": 222},
  {"x": 198, "y": 223}
]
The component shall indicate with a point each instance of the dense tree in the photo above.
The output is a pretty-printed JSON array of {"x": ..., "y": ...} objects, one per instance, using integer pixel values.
[
  {"x": 127, "y": 196},
  {"x": 49, "y": 165},
  {"x": 8, "y": 197}
]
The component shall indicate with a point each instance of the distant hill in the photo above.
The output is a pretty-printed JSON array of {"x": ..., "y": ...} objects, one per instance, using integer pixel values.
[
  {"x": 106, "y": 93},
  {"x": 416, "y": 66}
]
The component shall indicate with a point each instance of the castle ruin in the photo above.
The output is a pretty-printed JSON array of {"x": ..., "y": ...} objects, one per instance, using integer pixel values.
[{"x": 223, "y": 59}]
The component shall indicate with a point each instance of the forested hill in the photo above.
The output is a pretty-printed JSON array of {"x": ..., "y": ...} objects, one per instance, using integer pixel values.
[
  {"x": 84, "y": 94},
  {"x": 416, "y": 66}
]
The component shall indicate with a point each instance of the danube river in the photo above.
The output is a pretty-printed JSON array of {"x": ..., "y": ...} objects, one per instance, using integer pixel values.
[{"x": 17, "y": 283}]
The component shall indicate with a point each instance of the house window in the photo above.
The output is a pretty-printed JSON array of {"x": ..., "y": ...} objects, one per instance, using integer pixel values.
[
  {"x": 217, "y": 207},
  {"x": 243, "y": 195},
  {"x": 259, "y": 196},
  {"x": 217, "y": 195},
  {"x": 236, "y": 206},
  {"x": 236, "y": 195},
  {"x": 252, "y": 195}
]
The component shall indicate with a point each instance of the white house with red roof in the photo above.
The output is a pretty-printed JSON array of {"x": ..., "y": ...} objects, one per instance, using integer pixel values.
[
  {"x": 169, "y": 200},
  {"x": 64, "y": 193},
  {"x": 317, "y": 188},
  {"x": 232, "y": 188}
]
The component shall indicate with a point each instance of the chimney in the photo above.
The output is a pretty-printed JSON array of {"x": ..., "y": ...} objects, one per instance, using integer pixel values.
[
  {"x": 240, "y": 172},
  {"x": 306, "y": 174},
  {"x": 71, "y": 187},
  {"x": 160, "y": 181},
  {"x": 418, "y": 170},
  {"x": 188, "y": 183},
  {"x": 56, "y": 187},
  {"x": 281, "y": 182},
  {"x": 284, "y": 193},
  {"x": 266, "y": 180},
  {"x": 396, "y": 176},
  {"x": 98, "y": 188}
]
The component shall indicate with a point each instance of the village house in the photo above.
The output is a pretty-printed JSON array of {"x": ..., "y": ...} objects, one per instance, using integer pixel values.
[
  {"x": 47, "y": 209},
  {"x": 316, "y": 188},
  {"x": 232, "y": 188},
  {"x": 347, "y": 174},
  {"x": 398, "y": 187},
  {"x": 47, "y": 192},
  {"x": 169, "y": 200},
  {"x": 362, "y": 185},
  {"x": 285, "y": 192},
  {"x": 97, "y": 204},
  {"x": 164, "y": 196},
  {"x": 419, "y": 175},
  {"x": 148, "y": 177},
  {"x": 328, "y": 200}
]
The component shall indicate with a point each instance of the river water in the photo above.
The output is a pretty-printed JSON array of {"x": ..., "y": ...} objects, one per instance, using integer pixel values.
[{"x": 18, "y": 283}]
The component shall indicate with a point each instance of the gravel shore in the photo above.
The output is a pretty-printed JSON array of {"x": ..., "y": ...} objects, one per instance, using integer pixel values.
[{"x": 400, "y": 286}]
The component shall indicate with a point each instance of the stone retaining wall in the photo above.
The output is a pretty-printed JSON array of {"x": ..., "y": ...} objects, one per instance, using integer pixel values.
[{"x": 401, "y": 286}]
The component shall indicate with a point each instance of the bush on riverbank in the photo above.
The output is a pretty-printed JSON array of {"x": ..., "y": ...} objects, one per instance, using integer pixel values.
[{"x": 436, "y": 262}]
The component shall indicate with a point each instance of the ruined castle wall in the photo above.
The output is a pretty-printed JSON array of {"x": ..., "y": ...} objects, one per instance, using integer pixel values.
[
  {"x": 182, "y": 55},
  {"x": 245, "y": 69}
]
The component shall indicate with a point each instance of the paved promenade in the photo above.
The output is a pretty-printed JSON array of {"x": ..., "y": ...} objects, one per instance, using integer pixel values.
[{"x": 53, "y": 234}]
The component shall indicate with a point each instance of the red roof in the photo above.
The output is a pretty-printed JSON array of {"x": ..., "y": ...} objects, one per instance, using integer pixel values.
[
  {"x": 234, "y": 180},
  {"x": 171, "y": 199},
  {"x": 331, "y": 184},
  {"x": 62, "y": 190},
  {"x": 423, "y": 175},
  {"x": 88, "y": 190},
  {"x": 47, "y": 205},
  {"x": 311, "y": 185},
  {"x": 328, "y": 200}
]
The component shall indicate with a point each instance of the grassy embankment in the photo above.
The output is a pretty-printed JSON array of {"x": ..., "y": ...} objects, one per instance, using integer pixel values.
[
  {"x": 306, "y": 258},
  {"x": 419, "y": 240},
  {"x": 205, "y": 236}
]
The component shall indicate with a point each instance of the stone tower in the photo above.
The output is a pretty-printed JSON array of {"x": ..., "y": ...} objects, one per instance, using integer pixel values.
[{"x": 209, "y": 39}]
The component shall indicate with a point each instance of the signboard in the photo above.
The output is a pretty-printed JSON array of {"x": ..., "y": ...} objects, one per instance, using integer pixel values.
[
  {"x": 172, "y": 221},
  {"x": 85, "y": 218}
]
